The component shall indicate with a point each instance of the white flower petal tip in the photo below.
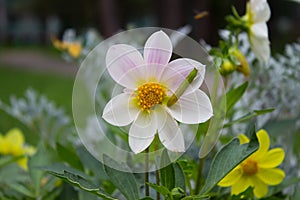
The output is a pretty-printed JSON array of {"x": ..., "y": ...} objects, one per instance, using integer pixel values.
[
  {"x": 123, "y": 62},
  {"x": 137, "y": 144},
  {"x": 192, "y": 108},
  {"x": 261, "y": 10},
  {"x": 118, "y": 111},
  {"x": 259, "y": 13},
  {"x": 158, "y": 48},
  {"x": 176, "y": 144},
  {"x": 171, "y": 135},
  {"x": 178, "y": 70},
  {"x": 142, "y": 131}
]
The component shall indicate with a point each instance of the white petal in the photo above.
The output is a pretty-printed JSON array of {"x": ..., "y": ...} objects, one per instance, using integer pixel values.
[
  {"x": 170, "y": 134},
  {"x": 261, "y": 10},
  {"x": 158, "y": 48},
  {"x": 120, "y": 110},
  {"x": 260, "y": 30},
  {"x": 192, "y": 108},
  {"x": 142, "y": 131},
  {"x": 123, "y": 63},
  {"x": 153, "y": 72},
  {"x": 178, "y": 70},
  {"x": 261, "y": 48}
]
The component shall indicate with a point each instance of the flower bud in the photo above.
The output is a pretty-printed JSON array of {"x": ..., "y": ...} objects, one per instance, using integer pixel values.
[
  {"x": 177, "y": 193},
  {"x": 227, "y": 67}
]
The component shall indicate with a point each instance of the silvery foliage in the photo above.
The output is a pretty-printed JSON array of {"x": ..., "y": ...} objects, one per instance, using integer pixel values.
[
  {"x": 40, "y": 115},
  {"x": 273, "y": 85}
]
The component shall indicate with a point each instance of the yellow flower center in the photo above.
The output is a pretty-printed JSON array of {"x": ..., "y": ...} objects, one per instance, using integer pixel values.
[
  {"x": 249, "y": 167},
  {"x": 149, "y": 95}
]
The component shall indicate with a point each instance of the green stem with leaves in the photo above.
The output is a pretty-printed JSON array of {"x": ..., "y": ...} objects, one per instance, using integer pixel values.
[
  {"x": 156, "y": 146},
  {"x": 147, "y": 172},
  {"x": 199, "y": 175}
]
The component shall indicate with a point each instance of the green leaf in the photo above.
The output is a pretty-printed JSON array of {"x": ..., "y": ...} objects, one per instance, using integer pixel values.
[
  {"x": 12, "y": 174},
  {"x": 91, "y": 163},
  {"x": 69, "y": 156},
  {"x": 249, "y": 116},
  {"x": 195, "y": 197},
  {"x": 177, "y": 193},
  {"x": 53, "y": 194},
  {"x": 202, "y": 130},
  {"x": 77, "y": 180},
  {"x": 147, "y": 198},
  {"x": 179, "y": 176},
  {"x": 160, "y": 189},
  {"x": 234, "y": 95},
  {"x": 216, "y": 122},
  {"x": 285, "y": 184},
  {"x": 40, "y": 158},
  {"x": 167, "y": 175},
  {"x": 9, "y": 159},
  {"x": 22, "y": 189},
  {"x": 50, "y": 190},
  {"x": 277, "y": 127},
  {"x": 123, "y": 180},
  {"x": 228, "y": 158}
]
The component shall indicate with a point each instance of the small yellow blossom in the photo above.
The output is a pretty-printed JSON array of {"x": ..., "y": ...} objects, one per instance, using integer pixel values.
[
  {"x": 258, "y": 171},
  {"x": 73, "y": 48},
  {"x": 13, "y": 144}
]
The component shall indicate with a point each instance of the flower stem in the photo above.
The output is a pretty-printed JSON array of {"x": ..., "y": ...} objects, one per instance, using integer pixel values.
[
  {"x": 157, "y": 183},
  {"x": 199, "y": 176},
  {"x": 156, "y": 140},
  {"x": 146, "y": 172}
]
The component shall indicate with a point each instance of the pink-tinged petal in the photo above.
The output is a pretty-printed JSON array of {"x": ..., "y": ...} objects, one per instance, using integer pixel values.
[
  {"x": 158, "y": 48},
  {"x": 153, "y": 72},
  {"x": 142, "y": 132},
  {"x": 192, "y": 108},
  {"x": 261, "y": 10},
  {"x": 178, "y": 70},
  {"x": 169, "y": 133},
  {"x": 120, "y": 110},
  {"x": 124, "y": 63}
]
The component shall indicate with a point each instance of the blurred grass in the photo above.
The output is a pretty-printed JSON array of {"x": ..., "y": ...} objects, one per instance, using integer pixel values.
[
  {"x": 57, "y": 88},
  {"x": 47, "y": 49}
]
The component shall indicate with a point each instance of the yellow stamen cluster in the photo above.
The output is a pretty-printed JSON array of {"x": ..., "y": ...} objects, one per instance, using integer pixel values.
[
  {"x": 250, "y": 167},
  {"x": 149, "y": 95}
]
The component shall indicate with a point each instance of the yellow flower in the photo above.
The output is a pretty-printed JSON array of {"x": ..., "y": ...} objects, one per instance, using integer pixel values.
[
  {"x": 258, "y": 171},
  {"x": 73, "y": 48},
  {"x": 13, "y": 144}
]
